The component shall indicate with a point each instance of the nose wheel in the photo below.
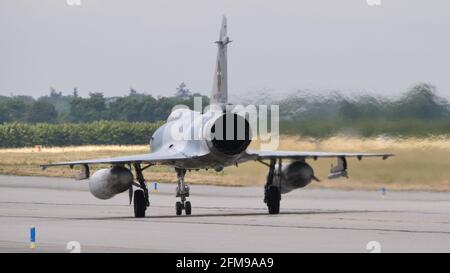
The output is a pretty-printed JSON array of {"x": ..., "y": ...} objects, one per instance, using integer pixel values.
[{"x": 179, "y": 207}]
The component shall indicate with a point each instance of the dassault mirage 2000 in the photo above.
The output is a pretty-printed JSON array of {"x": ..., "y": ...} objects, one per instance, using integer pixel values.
[{"x": 212, "y": 139}]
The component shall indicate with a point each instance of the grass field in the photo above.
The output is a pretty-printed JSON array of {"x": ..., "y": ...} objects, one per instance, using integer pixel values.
[{"x": 419, "y": 164}]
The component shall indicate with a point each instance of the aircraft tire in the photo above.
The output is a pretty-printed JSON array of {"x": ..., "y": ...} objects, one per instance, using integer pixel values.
[
  {"x": 187, "y": 208},
  {"x": 139, "y": 204},
  {"x": 273, "y": 200},
  {"x": 178, "y": 208}
]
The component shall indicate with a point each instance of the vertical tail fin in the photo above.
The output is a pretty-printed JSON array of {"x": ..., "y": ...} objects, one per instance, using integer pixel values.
[{"x": 220, "y": 89}]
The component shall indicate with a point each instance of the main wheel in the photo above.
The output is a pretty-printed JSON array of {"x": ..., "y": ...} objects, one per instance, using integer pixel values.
[
  {"x": 179, "y": 208},
  {"x": 139, "y": 204},
  {"x": 273, "y": 199},
  {"x": 187, "y": 208}
]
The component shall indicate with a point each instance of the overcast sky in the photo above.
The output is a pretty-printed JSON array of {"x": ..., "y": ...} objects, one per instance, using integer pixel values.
[{"x": 111, "y": 45}]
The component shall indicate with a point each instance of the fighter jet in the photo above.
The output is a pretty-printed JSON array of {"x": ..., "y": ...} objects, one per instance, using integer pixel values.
[{"x": 210, "y": 139}]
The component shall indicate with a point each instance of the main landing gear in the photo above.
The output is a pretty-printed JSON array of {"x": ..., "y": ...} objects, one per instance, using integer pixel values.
[
  {"x": 182, "y": 192},
  {"x": 272, "y": 190},
  {"x": 141, "y": 198}
]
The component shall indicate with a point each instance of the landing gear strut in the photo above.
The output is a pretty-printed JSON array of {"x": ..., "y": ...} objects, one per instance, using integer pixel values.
[
  {"x": 141, "y": 197},
  {"x": 182, "y": 192},
  {"x": 272, "y": 192}
]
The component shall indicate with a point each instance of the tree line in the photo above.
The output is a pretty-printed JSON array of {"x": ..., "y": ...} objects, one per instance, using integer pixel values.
[
  {"x": 72, "y": 108},
  {"x": 417, "y": 112}
]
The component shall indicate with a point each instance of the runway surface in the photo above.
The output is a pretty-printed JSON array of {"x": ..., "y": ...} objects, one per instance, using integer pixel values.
[{"x": 225, "y": 219}]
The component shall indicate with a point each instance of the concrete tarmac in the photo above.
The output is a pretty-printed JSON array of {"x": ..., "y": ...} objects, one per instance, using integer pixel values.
[{"x": 224, "y": 219}]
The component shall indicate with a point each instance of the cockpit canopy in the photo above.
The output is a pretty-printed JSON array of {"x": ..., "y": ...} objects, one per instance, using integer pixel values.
[{"x": 178, "y": 114}]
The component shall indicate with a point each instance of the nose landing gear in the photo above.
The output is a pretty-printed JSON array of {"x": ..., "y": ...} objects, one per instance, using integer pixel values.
[{"x": 182, "y": 192}]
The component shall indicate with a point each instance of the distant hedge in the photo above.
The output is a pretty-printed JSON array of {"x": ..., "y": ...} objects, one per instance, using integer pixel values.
[
  {"x": 126, "y": 133},
  {"x": 66, "y": 134}
]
